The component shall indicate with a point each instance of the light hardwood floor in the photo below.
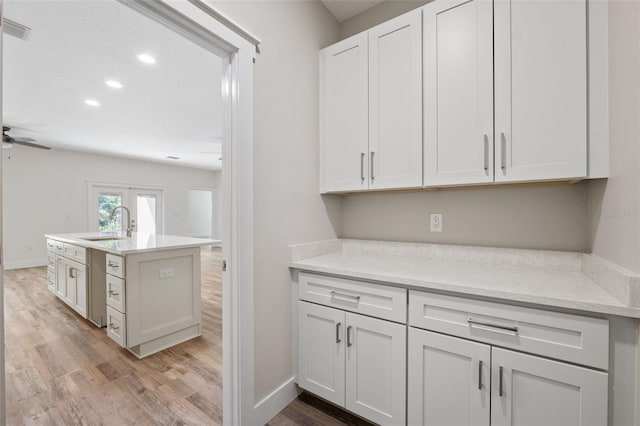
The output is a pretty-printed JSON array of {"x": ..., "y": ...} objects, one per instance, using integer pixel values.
[{"x": 62, "y": 370}]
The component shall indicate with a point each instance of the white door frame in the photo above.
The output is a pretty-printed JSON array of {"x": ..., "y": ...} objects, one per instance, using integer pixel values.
[{"x": 204, "y": 25}]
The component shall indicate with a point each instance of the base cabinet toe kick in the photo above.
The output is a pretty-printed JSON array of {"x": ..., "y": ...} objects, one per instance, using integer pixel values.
[
  {"x": 397, "y": 356},
  {"x": 147, "y": 301}
]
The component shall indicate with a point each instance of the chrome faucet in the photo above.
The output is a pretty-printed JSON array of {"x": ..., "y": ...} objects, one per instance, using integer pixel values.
[{"x": 128, "y": 217}]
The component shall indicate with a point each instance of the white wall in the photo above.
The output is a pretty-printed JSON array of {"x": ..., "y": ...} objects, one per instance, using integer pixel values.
[
  {"x": 287, "y": 206},
  {"x": 200, "y": 213},
  {"x": 46, "y": 192},
  {"x": 614, "y": 205}
]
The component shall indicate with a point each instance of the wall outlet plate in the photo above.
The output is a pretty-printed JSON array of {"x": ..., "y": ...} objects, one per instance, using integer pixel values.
[
  {"x": 166, "y": 273},
  {"x": 435, "y": 222}
]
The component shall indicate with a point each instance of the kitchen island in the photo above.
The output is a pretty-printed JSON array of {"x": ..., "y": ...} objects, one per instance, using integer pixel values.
[{"x": 145, "y": 288}]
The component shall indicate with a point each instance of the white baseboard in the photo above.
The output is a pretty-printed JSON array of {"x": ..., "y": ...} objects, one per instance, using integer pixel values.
[
  {"x": 276, "y": 401},
  {"x": 26, "y": 263}
]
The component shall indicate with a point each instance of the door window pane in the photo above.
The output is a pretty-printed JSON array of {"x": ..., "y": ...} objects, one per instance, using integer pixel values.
[
  {"x": 106, "y": 203},
  {"x": 146, "y": 207}
]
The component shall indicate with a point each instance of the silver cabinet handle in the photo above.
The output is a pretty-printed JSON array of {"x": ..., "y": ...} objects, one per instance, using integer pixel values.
[
  {"x": 486, "y": 154},
  {"x": 338, "y": 332},
  {"x": 500, "y": 383},
  {"x": 362, "y": 166},
  {"x": 480, "y": 375},
  {"x": 113, "y": 293},
  {"x": 503, "y": 152},
  {"x": 112, "y": 264},
  {"x": 111, "y": 327},
  {"x": 349, "y": 336},
  {"x": 471, "y": 321},
  {"x": 349, "y": 297},
  {"x": 371, "y": 172},
  {"x": 71, "y": 275}
]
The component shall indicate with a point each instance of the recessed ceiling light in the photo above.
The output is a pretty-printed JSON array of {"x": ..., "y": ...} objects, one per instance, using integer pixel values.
[
  {"x": 114, "y": 84},
  {"x": 92, "y": 102},
  {"x": 146, "y": 58}
]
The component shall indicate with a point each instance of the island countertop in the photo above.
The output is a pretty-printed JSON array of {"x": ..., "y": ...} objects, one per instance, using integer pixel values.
[{"x": 119, "y": 243}]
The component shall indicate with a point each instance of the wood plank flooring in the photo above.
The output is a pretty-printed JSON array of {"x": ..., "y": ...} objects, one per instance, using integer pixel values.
[{"x": 62, "y": 370}]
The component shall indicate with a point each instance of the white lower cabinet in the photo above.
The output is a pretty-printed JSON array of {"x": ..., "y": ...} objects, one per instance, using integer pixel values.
[
  {"x": 321, "y": 351},
  {"x": 71, "y": 284},
  {"x": 453, "y": 381},
  {"x": 449, "y": 380},
  {"x": 354, "y": 361},
  {"x": 529, "y": 390}
]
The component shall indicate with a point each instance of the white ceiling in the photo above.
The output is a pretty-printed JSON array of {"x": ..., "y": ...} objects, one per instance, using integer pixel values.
[
  {"x": 172, "y": 108},
  {"x": 345, "y": 9}
]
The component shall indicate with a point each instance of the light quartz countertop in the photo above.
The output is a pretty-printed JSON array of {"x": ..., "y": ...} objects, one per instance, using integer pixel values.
[
  {"x": 119, "y": 243},
  {"x": 556, "y": 279}
]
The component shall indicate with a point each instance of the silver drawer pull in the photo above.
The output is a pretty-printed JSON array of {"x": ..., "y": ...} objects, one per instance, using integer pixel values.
[
  {"x": 113, "y": 264},
  {"x": 338, "y": 340},
  {"x": 499, "y": 327},
  {"x": 480, "y": 375},
  {"x": 113, "y": 293},
  {"x": 345, "y": 296},
  {"x": 349, "y": 336},
  {"x": 500, "y": 382},
  {"x": 111, "y": 327}
]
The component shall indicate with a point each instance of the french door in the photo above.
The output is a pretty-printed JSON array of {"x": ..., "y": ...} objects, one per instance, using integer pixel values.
[{"x": 145, "y": 205}]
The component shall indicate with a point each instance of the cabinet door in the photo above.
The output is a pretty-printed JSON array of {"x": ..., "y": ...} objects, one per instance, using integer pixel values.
[
  {"x": 449, "y": 380},
  {"x": 79, "y": 274},
  {"x": 458, "y": 97},
  {"x": 540, "y": 89},
  {"x": 528, "y": 390},
  {"x": 395, "y": 104},
  {"x": 61, "y": 281},
  {"x": 376, "y": 374},
  {"x": 344, "y": 101},
  {"x": 321, "y": 351}
]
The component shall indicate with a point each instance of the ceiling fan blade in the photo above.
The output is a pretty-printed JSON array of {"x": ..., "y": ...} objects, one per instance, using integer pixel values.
[
  {"x": 21, "y": 139},
  {"x": 29, "y": 144}
]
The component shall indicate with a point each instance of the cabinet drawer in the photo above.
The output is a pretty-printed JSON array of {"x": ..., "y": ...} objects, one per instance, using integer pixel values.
[
  {"x": 116, "y": 326},
  {"x": 116, "y": 293},
  {"x": 365, "y": 298},
  {"x": 115, "y": 265},
  {"x": 55, "y": 246},
  {"x": 573, "y": 338},
  {"x": 52, "y": 260},
  {"x": 75, "y": 252},
  {"x": 51, "y": 281}
]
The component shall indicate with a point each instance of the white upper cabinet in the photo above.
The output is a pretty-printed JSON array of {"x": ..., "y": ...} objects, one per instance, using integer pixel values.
[
  {"x": 540, "y": 90},
  {"x": 344, "y": 140},
  {"x": 371, "y": 108},
  {"x": 395, "y": 103},
  {"x": 458, "y": 95}
]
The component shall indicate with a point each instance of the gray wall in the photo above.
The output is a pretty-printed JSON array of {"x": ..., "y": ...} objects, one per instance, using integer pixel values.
[
  {"x": 288, "y": 207},
  {"x": 543, "y": 217},
  {"x": 614, "y": 205}
]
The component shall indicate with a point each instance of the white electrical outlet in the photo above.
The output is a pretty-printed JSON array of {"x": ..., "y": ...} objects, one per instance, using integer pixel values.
[
  {"x": 436, "y": 222},
  {"x": 166, "y": 273}
]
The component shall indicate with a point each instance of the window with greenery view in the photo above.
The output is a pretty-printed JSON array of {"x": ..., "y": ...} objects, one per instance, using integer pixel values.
[{"x": 106, "y": 203}]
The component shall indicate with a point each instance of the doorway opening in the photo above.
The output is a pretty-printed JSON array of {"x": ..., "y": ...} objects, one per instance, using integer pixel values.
[{"x": 154, "y": 215}]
